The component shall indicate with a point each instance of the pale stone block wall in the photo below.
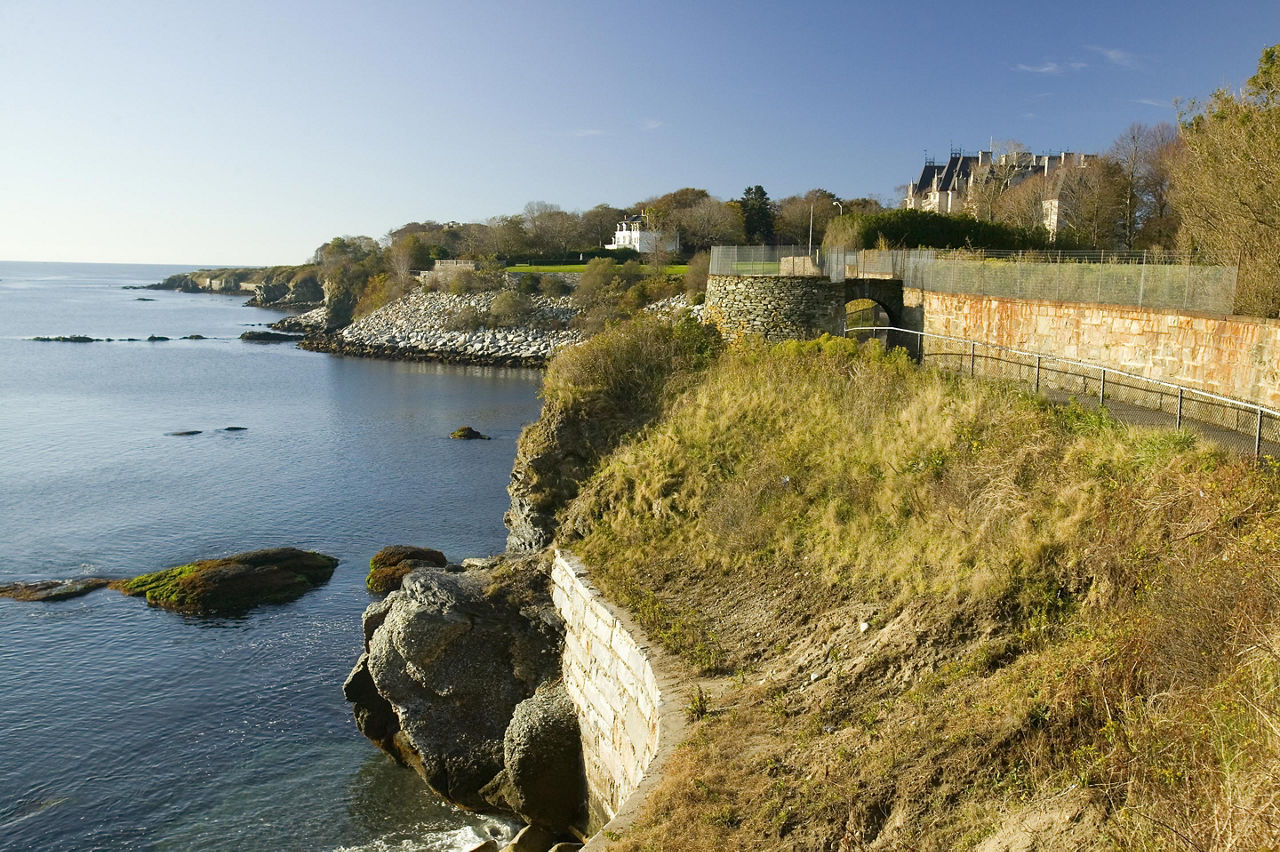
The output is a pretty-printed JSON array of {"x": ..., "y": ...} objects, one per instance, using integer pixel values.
[
  {"x": 1231, "y": 356},
  {"x": 621, "y": 705}
]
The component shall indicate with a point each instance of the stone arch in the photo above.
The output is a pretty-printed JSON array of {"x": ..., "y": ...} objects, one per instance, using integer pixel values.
[
  {"x": 887, "y": 293},
  {"x": 862, "y": 313}
]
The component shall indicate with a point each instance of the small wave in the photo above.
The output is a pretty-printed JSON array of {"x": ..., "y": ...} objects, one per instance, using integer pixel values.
[{"x": 454, "y": 840}]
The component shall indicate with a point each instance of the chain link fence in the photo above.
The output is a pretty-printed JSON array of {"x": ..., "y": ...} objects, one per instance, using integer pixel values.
[
  {"x": 782, "y": 261},
  {"x": 1160, "y": 280},
  {"x": 1241, "y": 426},
  {"x": 1146, "y": 280}
]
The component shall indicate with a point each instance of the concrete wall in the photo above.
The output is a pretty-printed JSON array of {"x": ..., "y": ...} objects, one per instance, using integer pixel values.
[
  {"x": 627, "y": 712},
  {"x": 1232, "y": 356},
  {"x": 775, "y": 307}
]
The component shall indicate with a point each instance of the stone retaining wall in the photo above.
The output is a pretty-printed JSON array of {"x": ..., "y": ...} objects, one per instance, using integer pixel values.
[
  {"x": 775, "y": 307},
  {"x": 626, "y": 710},
  {"x": 1233, "y": 356}
]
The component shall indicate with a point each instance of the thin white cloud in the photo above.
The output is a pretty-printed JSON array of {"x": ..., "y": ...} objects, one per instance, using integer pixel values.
[
  {"x": 1047, "y": 68},
  {"x": 1152, "y": 102},
  {"x": 651, "y": 124},
  {"x": 1051, "y": 67},
  {"x": 588, "y": 133},
  {"x": 1115, "y": 56}
]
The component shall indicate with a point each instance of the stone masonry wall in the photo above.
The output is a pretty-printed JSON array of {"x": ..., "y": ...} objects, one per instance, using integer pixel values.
[
  {"x": 1232, "y": 356},
  {"x": 623, "y": 708},
  {"x": 774, "y": 307}
]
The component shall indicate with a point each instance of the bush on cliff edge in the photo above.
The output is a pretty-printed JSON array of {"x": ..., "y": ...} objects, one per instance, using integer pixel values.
[{"x": 594, "y": 395}]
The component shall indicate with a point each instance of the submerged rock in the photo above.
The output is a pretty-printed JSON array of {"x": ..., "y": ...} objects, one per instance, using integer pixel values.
[
  {"x": 183, "y": 434},
  {"x": 270, "y": 337},
  {"x": 466, "y": 433},
  {"x": 233, "y": 584},
  {"x": 52, "y": 590},
  {"x": 72, "y": 338}
]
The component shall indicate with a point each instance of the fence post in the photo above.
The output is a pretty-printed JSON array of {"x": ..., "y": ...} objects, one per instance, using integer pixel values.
[
  {"x": 1037, "y": 374},
  {"x": 1142, "y": 280},
  {"x": 1102, "y": 389},
  {"x": 1178, "y": 421},
  {"x": 972, "y": 358},
  {"x": 1257, "y": 437}
]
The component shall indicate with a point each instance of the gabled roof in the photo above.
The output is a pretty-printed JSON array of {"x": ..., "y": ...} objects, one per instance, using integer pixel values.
[{"x": 957, "y": 169}]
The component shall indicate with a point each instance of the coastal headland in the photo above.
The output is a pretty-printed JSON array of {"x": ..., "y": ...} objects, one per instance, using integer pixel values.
[{"x": 908, "y": 609}]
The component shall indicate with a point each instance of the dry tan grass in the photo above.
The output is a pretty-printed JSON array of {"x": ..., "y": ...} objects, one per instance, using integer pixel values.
[{"x": 1054, "y": 604}]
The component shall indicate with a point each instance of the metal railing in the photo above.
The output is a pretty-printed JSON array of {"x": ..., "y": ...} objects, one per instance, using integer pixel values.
[{"x": 1245, "y": 427}]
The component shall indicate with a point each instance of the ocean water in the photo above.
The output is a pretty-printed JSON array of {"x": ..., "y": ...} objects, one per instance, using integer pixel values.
[{"x": 132, "y": 727}]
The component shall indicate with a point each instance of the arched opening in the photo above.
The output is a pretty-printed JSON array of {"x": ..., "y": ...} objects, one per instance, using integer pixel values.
[{"x": 863, "y": 318}]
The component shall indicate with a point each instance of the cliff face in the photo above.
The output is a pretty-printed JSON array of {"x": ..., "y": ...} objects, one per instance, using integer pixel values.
[
  {"x": 553, "y": 457},
  {"x": 276, "y": 286}
]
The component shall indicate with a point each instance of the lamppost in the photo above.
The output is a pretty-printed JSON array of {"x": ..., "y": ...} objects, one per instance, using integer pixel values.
[
  {"x": 810, "y": 229},
  {"x": 841, "y": 206}
]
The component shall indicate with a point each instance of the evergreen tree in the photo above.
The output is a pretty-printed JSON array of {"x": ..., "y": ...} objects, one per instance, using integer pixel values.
[{"x": 757, "y": 215}]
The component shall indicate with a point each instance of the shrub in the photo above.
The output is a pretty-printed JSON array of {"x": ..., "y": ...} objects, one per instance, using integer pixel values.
[
  {"x": 924, "y": 229},
  {"x": 467, "y": 318},
  {"x": 553, "y": 285},
  {"x": 509, "y": 308},
  {"x": 530, "y": 283},
  {"x": 624, "y": 372},
  {"x": 597, "y": 283},
  {"x": 695, "y": 277}
]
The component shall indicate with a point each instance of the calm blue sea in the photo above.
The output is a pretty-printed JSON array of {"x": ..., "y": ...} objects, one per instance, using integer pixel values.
[{"x": 131, "y": 727}]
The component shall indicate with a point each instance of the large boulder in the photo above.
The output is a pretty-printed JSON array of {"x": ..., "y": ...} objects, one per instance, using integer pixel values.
[
  {"x": 447, "y": 659},
  {"x": 233, "y": 584},
  {"x": 389, "y": 565},
  {"x": 543, "y": 780}
]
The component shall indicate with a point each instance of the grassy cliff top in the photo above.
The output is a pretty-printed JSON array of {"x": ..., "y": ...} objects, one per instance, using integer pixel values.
[{"x": 943, "y": 613}]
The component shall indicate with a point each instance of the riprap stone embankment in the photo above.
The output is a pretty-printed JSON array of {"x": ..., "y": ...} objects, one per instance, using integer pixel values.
[{"x": 423, "y": 326}]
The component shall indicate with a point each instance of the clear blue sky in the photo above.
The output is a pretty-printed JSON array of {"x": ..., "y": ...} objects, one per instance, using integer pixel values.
[{"x": 236, "y": 132}]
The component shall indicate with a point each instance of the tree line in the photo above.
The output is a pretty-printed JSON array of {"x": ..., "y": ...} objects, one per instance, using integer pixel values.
[{"x": 1210, "y": 185}]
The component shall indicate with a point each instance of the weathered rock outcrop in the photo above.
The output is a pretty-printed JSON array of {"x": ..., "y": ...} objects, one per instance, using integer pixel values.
[
  {"x": 274, "y": 286},
  {"x": 233, "y": 584},
  {"x": 448, "y": 657},
  {"x": 553, "y": 457},
  {"x": 390, "y": 565},
  {"x": 52, "y": 590}
]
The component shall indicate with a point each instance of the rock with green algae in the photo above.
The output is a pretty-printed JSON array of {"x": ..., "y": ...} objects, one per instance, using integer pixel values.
[
  {"x": 52, "y": 590},
  {"x": 233, "y": 584},
  {"x": 466, "y": 433},
  {"x": 389, "y": 565}
]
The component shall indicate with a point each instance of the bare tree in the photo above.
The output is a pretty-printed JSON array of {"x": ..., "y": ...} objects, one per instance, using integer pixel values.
[
  {"x": 709, "y": 222},
  {"x": 990, "y": 179}
]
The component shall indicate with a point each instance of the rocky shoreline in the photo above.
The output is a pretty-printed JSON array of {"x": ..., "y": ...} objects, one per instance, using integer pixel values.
[{"x": 431, "y": 326}]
